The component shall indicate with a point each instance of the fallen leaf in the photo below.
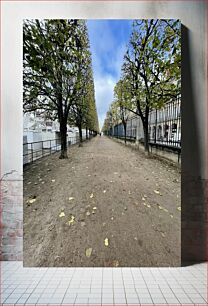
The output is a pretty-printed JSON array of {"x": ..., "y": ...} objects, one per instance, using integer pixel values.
[
  {"x": 71, "y": 198},
  {"x": 53, "y": 181},
  {"x": 87, "y": 213},
  {"x": 95, "y": 208},
  {"x": 29, "y": 183},
  {"x": 179, "y": 208},
  {"x": 156, "y": 191},
  {"x": 31, "y": 201},
  {"x": 89, "y": 175},
  {"x": 91, "y": 196},
  {"x": 115, "y": 263},
  {"x": 115, "y": 172},
  {"x": 165, "y": 209},
  {"x": 62, "y": 214},
  {"x": 112, "y": 218},
  {"x": 160, "y": 207},
  {"x": 135, "y": 238},
  {"x": 88, "y": 252},
  {"x": 143, "y": 199},
  {"x": 148, "y": 206},
  {"x": 104, "y": 191},
  {"x": 106, "y": 242},
  {"x": 71, "y": 221},
  {"x": 171, "y": 215},
  {"x": 162, "y": 234},
  {"x": 125, "y": 208}
]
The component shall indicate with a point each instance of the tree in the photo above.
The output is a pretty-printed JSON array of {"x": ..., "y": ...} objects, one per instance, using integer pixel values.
[
  {"x": 123, "y": 102},
  {"x": 152, "y": 65},
  {"x": 52, "y": 54}
]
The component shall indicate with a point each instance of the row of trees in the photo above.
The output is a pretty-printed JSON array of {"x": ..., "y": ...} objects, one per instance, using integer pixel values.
[
  {"x": 57, "y": 74},
  {"x": 151, "y": 72}
]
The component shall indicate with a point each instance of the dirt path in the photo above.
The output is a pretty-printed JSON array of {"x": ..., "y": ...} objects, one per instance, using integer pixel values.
[{"x": 106, "y": 190}]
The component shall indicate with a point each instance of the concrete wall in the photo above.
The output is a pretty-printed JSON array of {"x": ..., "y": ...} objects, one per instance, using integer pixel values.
[{"x": 194, "y": 108}]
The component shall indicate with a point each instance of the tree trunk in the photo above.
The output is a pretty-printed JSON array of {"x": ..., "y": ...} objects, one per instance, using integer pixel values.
[
  {"x": 63, "y": 132},
  {"x": 80, "y": 135},
  {"x": 146, "y": 135},
  {"x": 124, "y": 124}
]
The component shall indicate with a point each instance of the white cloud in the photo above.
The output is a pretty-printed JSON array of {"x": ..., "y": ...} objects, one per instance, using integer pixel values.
[
  {"x": 107, "y": 59},
  {"x": 104, "y": 86}
]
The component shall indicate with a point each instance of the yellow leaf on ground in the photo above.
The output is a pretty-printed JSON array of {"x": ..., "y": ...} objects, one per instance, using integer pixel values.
[
  {"x": 162, "y": 234},
  {"x": 148, "y": 206},
  {"x": 71, "y": 198},
  {"x": 31, "y": 201},
  {"x": 156, "y": 191},
  {"x": 88, "y": 252},
  {"x": 171, "y": 215},
  {"x": 88, "y": 213},
  {"x": 143, "y": 199},
  {"x": 104, "y": 191},
  {"x": 165, "y": 209},
  {"x": 160, "y": 207},
  {"x": 62, "y": 214},
  {"x": 115, "y": 263},
  {"x": 106, "y": 242},
  {"x": 179, "y": 208},
  {"x": 53, "y": 181},
  {"x": 95, "y": 208},
  {"x": 71, "y": 221},
  {"x": 91, "y": 196}
]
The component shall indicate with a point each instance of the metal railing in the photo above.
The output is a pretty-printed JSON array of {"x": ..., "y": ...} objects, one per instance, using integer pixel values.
[
  {"x": 165, "y": 125},
  {"x": 38, "y": 149},
  {"x": 164, "y": 128}
]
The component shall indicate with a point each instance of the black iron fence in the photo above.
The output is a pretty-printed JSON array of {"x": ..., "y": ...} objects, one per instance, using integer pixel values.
[
  {"x": 164, "y": 127},
  {"x": 38, "y": 149}
]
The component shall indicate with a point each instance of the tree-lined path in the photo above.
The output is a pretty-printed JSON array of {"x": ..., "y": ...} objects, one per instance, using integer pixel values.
[{"x": 107, "y": 205}]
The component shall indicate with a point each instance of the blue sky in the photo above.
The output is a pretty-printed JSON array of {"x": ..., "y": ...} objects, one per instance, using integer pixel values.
[{"x": 108, "y": 41}]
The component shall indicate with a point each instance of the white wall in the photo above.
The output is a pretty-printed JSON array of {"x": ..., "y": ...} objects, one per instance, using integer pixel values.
[{"x": 13, "y": 12}]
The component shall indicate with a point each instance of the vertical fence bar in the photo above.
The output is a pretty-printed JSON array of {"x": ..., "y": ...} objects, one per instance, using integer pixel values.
[{"x": 32, "y": 151}]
